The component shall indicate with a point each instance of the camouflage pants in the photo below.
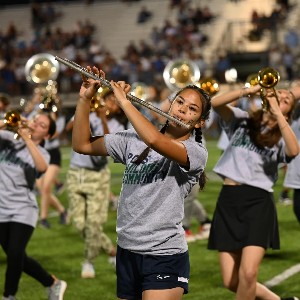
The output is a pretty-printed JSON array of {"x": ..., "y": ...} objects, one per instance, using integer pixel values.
[{"x": 88, "y": 193}]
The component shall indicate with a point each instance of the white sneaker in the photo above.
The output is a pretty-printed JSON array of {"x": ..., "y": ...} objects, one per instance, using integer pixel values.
[
  {"x": 57, "y": 290},
  {"x": 87, "y": 270},
  {"x": 189, "y": 236},
  {"x": 285, "y": 201},
  {"x": 204, "y": 232}
]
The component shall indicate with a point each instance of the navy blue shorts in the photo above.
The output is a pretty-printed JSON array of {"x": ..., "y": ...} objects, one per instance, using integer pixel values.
[{"x": 137, "y": 273}]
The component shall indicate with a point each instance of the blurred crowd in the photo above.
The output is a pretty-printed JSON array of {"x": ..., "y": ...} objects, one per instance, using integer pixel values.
[{"x": 142, "y": 61}]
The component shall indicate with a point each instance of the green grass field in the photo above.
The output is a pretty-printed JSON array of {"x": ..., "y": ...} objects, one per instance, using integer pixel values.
[{"x": 60, "y": 250}]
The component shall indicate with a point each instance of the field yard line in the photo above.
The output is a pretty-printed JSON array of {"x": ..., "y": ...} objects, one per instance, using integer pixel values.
[{"x": 283, "y": 276}]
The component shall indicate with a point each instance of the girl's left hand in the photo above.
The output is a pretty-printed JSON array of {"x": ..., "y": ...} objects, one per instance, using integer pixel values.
[
  {"x": 273, "y": 102},
  {"x": 121, "y": 88}
]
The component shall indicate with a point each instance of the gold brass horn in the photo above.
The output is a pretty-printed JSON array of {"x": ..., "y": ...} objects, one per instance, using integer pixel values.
[
  {"x": 49, "y": 100},
  {"x": 98, "y": 100},
  {"x": 209, "y": 84},
  {"x": 251, "y": 80},
  {"x": 180, "y": 73},
  {"x": 41, "y": 67},
  {"x": 13, "y": 121},
  {"x": 267, "y": 79},
  {"x": 140, "y": 90}
]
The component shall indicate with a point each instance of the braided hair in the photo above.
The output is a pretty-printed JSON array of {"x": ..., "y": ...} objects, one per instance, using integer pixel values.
[{"x": 206, "y": 107}]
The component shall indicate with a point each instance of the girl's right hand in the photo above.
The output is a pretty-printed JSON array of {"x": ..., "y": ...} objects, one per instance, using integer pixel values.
[
  {"x": 25, "y": 133},
  {"x": 254, "y": 89}
]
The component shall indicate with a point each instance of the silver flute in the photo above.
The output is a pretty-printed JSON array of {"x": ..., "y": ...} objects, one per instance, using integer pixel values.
[{"x": 132, "y": 98}]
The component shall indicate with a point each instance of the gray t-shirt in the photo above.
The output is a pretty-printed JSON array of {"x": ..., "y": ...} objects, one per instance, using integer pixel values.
[
  {"x": 292, "y": 177},
  {"x": 151, "y": 207},
  {"x": 90, "y": 162},
  {"x": 245, "y": 163},
  {"x": 17, "y": 176},
  {"x": 60, "y": 126}
]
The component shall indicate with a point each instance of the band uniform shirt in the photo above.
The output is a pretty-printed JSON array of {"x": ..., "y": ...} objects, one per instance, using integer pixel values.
[
  {"x": 60, "y": 125},
  {"x": 17, "y": 178},
  {"x": 292, "y": 177},
  {"x": 151, "y": 207},
  {"x": 258, "y": 166}
]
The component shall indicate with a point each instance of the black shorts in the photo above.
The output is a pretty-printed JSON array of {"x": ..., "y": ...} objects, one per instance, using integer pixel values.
[
  {"x": 137, "y": 273},
  {"x": 55, "y": 156},
  {"x": 244, "y": 216}
]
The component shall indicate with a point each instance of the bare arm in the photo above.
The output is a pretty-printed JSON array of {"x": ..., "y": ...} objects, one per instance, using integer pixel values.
[
  {"x": 39, "y": 160},
  {"x": 220, "y": 103},
  {"x": 163, "y": 144},
  {"x": 288, "y": 135},
  {"x": 82, "y": 141}
]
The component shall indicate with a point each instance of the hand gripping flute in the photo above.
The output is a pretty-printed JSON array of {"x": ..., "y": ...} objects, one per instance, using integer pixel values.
[{"x": 132, "y": 98}]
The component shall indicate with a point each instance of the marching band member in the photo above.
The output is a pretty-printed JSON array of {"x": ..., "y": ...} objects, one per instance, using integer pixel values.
[
  {"x": 161, "y": 168},
  {"x": 245, "y": 222},
  {"x": 22, "y": 161}
]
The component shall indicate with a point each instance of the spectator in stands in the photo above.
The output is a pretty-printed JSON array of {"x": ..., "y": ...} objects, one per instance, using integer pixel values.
[
  {"x": 221, "y": 66},
  {"x": 155, "y": 35},
  {"x": 144, "y": 15},
  {"x": 291, "y": 39},
  {"x": 37, "y": 20},
  {"x": 170, "y": 41},
  {"x": 275, "y": 57},
  {"x": 175, "y": 3},
  {"x": 288, "y": 60}
]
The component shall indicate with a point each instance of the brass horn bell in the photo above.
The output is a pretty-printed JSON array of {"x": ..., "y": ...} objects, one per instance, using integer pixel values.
[
  {"x": 210, "y": 85},
  {"x": 98, "y": 100},
  {"x": 13, "y": 121},
  {"x": 180, "y": 73},
  {"x": 267, "y": 79},
  {"x": 41, "y": 67},
  {"x": 140, "y": 90}
]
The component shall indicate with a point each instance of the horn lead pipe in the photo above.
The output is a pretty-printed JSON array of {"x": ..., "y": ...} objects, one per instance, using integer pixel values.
[{"x": 85, "y": 72}]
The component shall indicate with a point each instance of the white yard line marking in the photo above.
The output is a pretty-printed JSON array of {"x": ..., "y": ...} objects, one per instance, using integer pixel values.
[{"x": 283, "y": 276}]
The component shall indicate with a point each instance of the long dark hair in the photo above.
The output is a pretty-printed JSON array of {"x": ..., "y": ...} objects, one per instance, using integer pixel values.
[
  {"x": 52, "y": 125},
  {"x": 262, "y": 138},
  {"x": 206, "y": 107}
]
